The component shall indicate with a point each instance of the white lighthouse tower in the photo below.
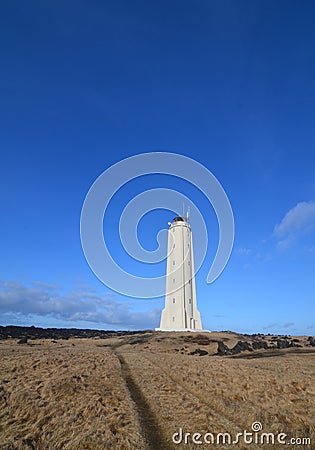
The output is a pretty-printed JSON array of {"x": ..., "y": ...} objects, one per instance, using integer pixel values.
[{"x": 180, "y": 312}]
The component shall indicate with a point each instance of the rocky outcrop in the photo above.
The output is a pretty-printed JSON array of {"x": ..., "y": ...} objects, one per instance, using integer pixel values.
[
  {"x": 222, "y": 349},
  {"x": 257, "y": 345},
  {"x": 14, "y": 332},
  {"x": 276, "y": 343},
  {"x": 283, "y": 343},
  {"x": 199, "y": 352},
  {"x": 241, "y": 346}
]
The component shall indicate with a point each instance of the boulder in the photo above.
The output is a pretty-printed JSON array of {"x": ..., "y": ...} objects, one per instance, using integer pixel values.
[
  {"x": 259, "y": 344},
  {"x": 283, "y": 343},
  {"x": 222, "y": 349},
  {"x": 199, "y": 352},
  {"x": 240, "y": 347}
]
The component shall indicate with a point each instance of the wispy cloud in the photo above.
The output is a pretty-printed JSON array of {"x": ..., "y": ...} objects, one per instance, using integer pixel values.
[
  {"x": 288, "y": 325},
  {"x": 276, "y": 325},
  {"x": 46, "y": 285},
  {"x": 45, "y": 301},
  {"x": 243, "y": 251},
  {"x": 297, "y": 221}
]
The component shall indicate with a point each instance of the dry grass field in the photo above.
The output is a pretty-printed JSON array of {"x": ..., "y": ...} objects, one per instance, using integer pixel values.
[
  {"x": 64, "y": 395},
  {"x": 135, "y": 392}
]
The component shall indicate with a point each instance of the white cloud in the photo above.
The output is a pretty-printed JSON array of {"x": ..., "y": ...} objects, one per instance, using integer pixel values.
[
  {"x": 288, "y": 325},
  {"x": 17, "y": 298},
  {"x": 276, "y": 325},
  {"x": 46, "y": 285},
  {"x": 296, "y": 222},
  {"x": 243, "y": 251}
]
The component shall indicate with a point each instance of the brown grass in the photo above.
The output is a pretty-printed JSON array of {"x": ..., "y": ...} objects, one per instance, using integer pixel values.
[
  {"x": 74, "y": 394},
  {"x": 225, "y": 394},
  {"x": 64, "y": 396}
]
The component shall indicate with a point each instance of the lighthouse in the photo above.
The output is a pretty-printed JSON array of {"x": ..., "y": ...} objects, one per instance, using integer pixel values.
[{"x": 180, "y": 312}]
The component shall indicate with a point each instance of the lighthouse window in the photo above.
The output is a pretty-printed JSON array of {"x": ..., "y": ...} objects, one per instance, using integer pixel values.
[
  {"x": 173, "y": 319},
  {"x": 189, "y": 300},
  {"x": 173, "y": 263},
  {"x": 189, "y": 281},
  {"x": 189, "y": 263},
  {"x": 173, "y": 300},
  {"x": 173, "y": 280}
]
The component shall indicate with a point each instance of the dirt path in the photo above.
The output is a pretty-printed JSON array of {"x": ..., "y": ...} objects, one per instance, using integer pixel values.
[{"x": 150, "y": 429}]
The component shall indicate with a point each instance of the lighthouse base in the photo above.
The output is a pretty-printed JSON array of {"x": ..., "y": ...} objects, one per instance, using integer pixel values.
[{"x": 182, "y": 330}]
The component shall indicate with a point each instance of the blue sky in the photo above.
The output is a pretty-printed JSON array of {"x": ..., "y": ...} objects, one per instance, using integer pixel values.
[{"x": 227, "y": 83}]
